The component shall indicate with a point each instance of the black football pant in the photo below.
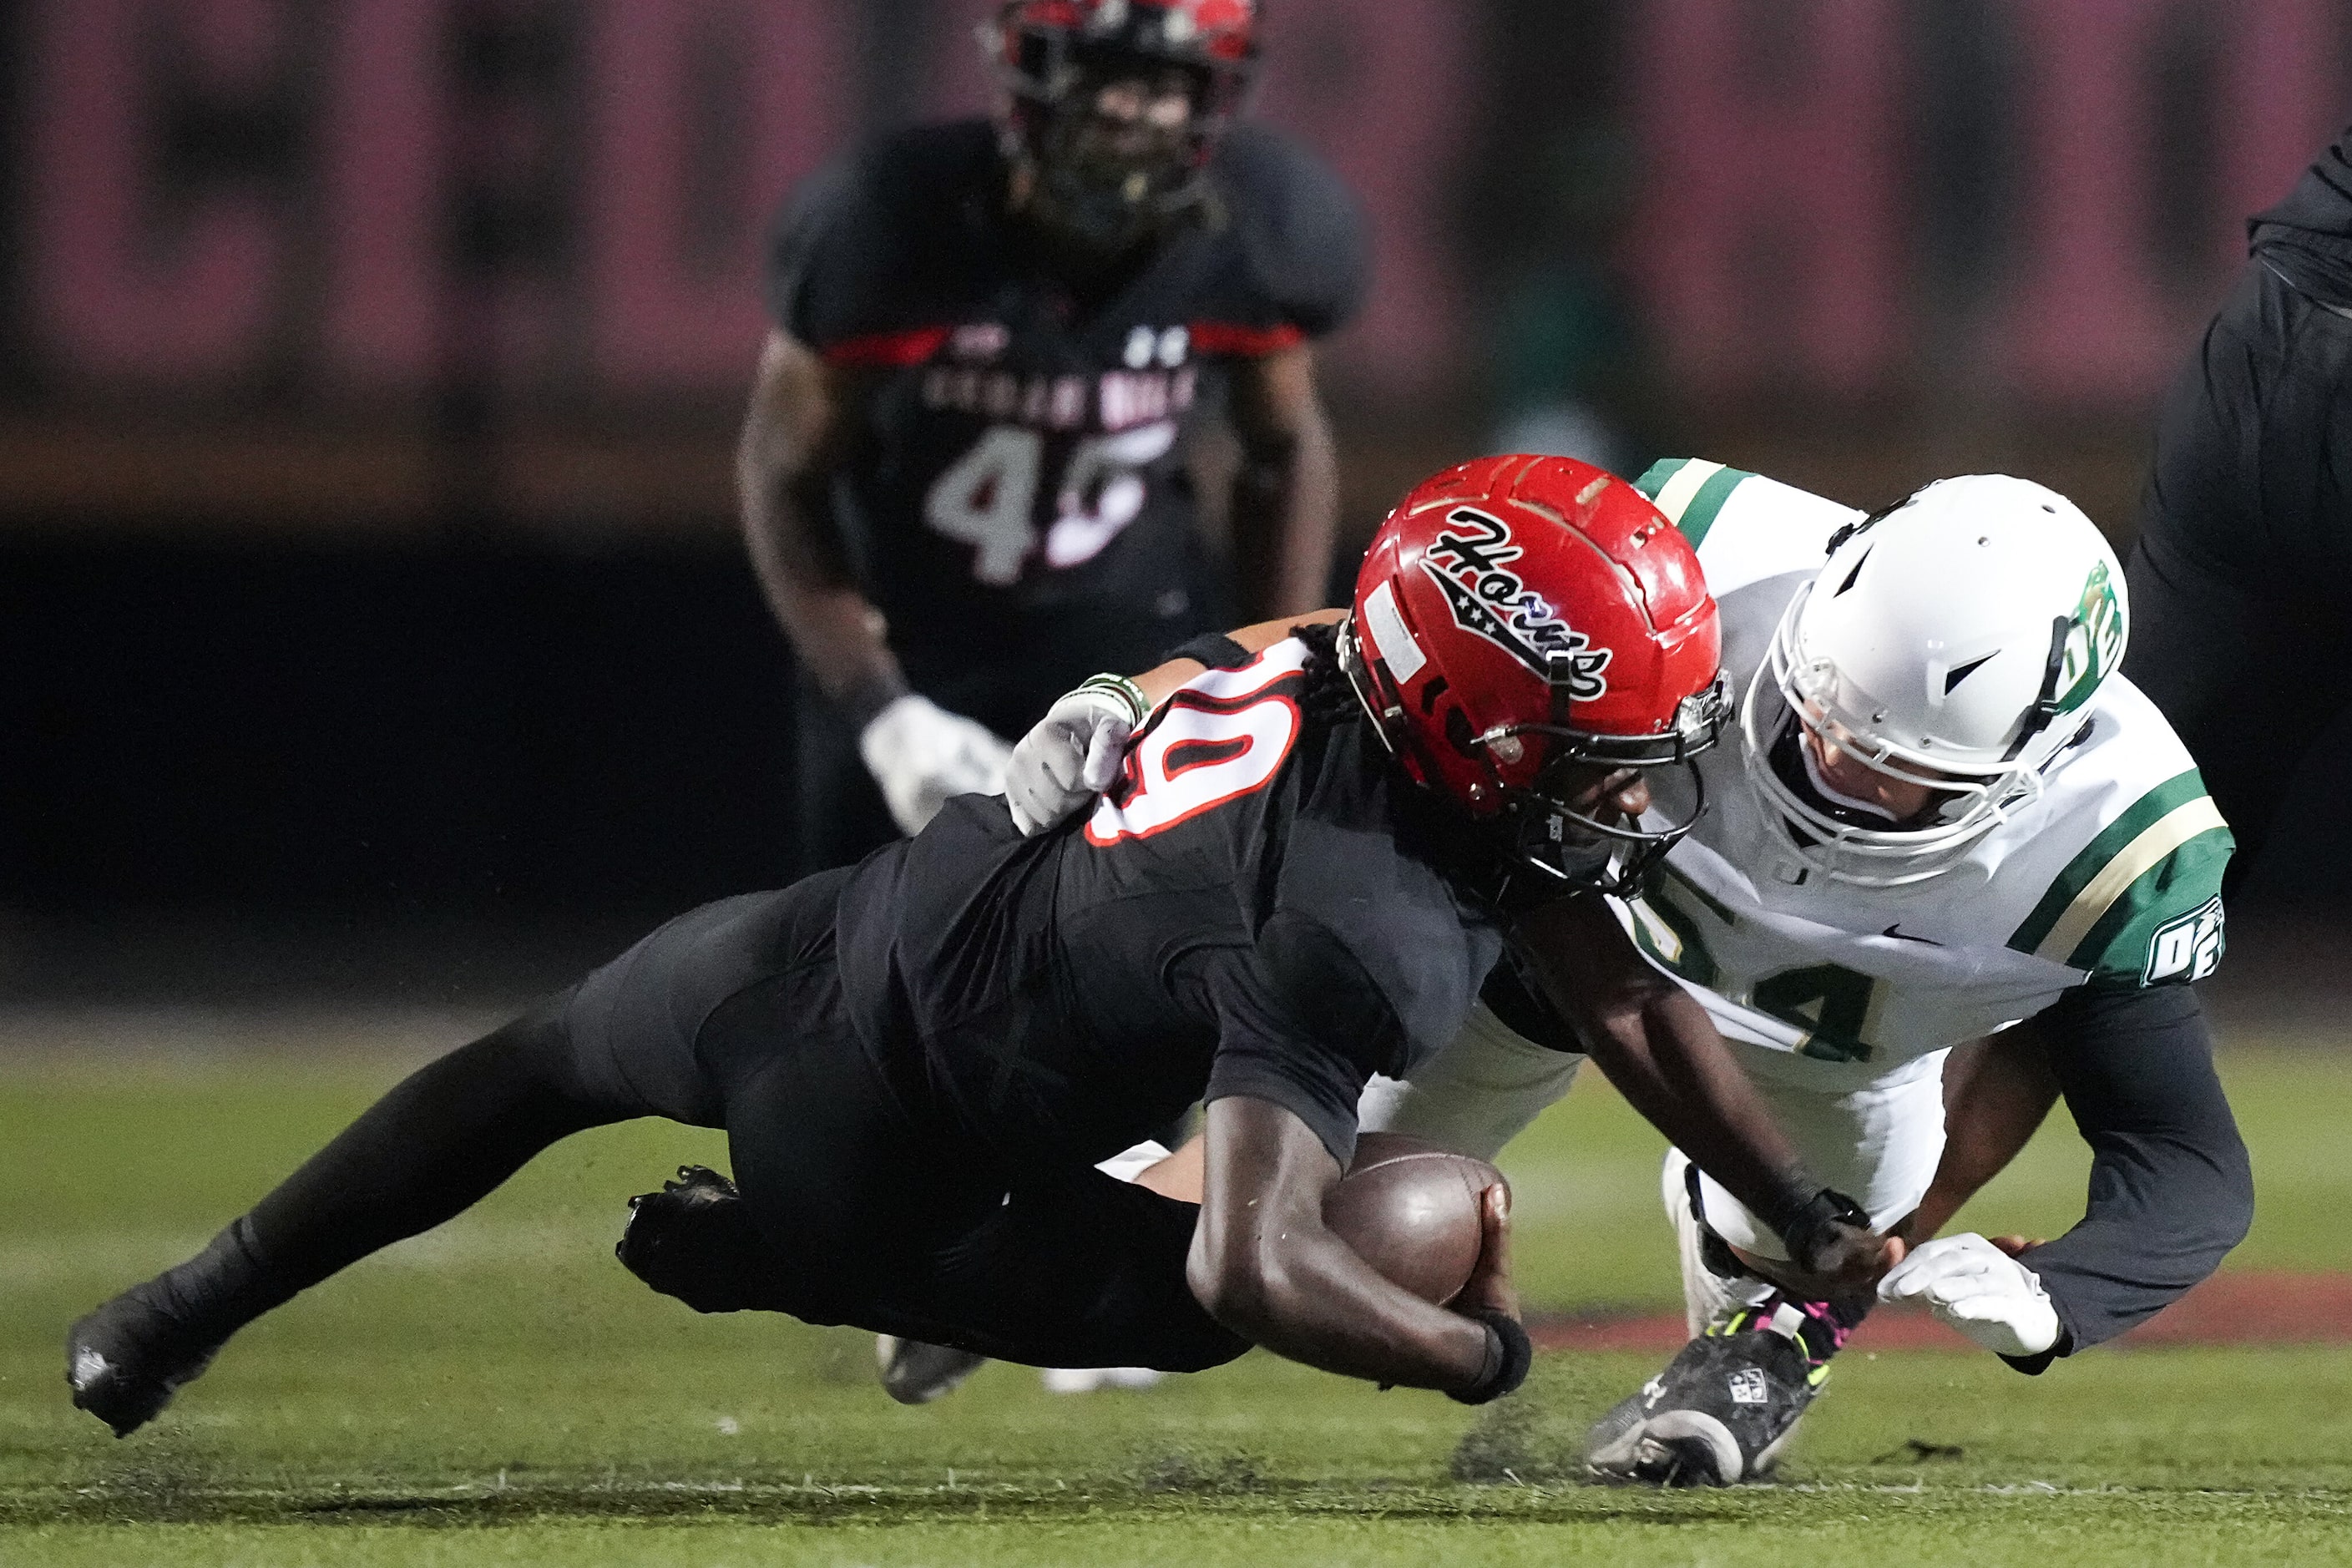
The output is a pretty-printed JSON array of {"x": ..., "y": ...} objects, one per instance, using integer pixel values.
[
  {"x": 2242, "y": 580},
  {"x": 730, "y": 1016}
]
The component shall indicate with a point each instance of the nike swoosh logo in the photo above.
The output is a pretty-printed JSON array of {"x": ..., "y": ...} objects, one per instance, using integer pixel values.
[{"x": 1899, "y": 934}]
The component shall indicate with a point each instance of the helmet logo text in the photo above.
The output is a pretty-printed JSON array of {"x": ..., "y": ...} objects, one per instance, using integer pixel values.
[
  {"x": 1470, "y": 560},
  {"x": 2094, "y": 645}
]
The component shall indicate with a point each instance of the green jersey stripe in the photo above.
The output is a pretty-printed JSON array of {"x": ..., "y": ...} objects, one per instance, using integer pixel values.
[
  {"x": 2121, "y": 947},
  {"x": 2085, "y": 867},
  {"x": 1653, "y": 477},
  {"x": 1690, "y": 492},
  {"x": 1707, "y": 502},
  {"x": 2143, "y": 855},
  {"x": 1674, "y": 496}
]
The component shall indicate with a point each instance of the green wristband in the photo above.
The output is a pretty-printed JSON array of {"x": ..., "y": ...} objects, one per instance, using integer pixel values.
[{"x": 1126, "y": 690}]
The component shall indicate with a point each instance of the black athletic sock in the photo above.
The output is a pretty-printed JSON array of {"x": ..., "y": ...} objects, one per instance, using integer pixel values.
[{"x": 427, "y": 1152}]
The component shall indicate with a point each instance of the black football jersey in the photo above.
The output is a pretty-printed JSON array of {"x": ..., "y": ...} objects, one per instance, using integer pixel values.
[
  {"x": 1021, "y": 461},
  {"x": 1256, "y": 908},
  {"x": 2308, "y": 237}
]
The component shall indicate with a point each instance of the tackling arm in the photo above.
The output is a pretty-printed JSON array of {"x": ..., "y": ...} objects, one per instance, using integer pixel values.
[
  {"x": 1265, "y": 1266},
  {"x": 1285, "y": 499},
  {"x": 1996, "y": 1094},
  {"x": 1660, "y": 1048}
]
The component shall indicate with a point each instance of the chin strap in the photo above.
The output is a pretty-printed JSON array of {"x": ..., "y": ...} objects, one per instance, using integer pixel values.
[{"x": 2046, "y": 708}]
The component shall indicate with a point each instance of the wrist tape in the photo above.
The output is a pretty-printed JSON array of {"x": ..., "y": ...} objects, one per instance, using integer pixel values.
[{"x": 1509, "y": 1354}]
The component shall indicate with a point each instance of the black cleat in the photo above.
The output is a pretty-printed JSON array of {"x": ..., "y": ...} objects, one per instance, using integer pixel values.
[
  {"x": 914, "y": 1373},
  {"x": 125, "y": 1361},
  {"x": 1719, "y": 1414},
  {"x": 692, "y": 1240}
]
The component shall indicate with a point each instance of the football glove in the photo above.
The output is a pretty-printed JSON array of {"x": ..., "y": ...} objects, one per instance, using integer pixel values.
[
  {"x": 1073, "y": 753},
  {"x": 1974, "y": 1287},
  {"x": 922, "y": 755}
]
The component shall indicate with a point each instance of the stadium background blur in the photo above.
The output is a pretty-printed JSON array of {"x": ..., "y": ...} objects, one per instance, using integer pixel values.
[{"x": 375, "y": 621}]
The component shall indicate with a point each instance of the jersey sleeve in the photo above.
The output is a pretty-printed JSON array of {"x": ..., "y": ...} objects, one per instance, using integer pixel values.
[
  {"x": 860, "y": 263},
  {"x": 809, "y": 280},
  {"x": 1743, "y": 526},
  {"x": 1691, "y": 492},
  {"x": 2141, "y": 903},
  {"x": 1307, "y": 258},
  {"x": 1300, "y": 1023}
]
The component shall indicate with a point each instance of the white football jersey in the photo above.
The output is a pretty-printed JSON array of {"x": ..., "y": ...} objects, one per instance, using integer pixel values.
[{"x": 2112, "y": 878}]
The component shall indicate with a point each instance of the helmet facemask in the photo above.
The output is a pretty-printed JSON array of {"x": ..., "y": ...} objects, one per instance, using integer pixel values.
[
  {"x": 1091, "y": 120},
  {"x": 1553, "y": 825},
  {"x": 1807, "y": 702}
]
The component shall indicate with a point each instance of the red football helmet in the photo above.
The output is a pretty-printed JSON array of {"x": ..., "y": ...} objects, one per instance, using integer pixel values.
[
  {"x": 1518, "y": 616},
  {"x": 1052, "y": 54}
]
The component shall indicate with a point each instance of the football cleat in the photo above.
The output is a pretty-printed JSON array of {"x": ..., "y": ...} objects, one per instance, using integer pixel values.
[
  {"x": 1719, "y": 1414},
  {"x": 125, "y": 1361},
  {"x": 692, "y": 1240},
  {"x": 914, "y": 1373}
]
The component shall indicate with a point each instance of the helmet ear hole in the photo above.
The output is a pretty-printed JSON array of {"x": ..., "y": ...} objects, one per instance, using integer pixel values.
[{"x": 1457, "y": 732}]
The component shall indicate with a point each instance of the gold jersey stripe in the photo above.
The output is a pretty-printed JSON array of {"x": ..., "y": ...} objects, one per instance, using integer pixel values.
[
  {"x": 1676, "y": 494},
  {"x": 2160, "y": 839}
]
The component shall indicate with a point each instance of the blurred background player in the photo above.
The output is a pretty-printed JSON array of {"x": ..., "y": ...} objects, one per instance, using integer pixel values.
[
  {"x": 964, "y": 474},
  {"x": 2245, "y": 625}
]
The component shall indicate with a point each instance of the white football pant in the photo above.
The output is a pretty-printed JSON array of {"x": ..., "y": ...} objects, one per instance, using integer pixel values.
[{"x": 1475, "y": 1094}]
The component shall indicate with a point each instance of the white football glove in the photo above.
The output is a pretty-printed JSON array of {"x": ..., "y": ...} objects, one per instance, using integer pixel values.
[
  {"x": 1069, "y": 756},
  {"x": 1974, "y": 1287},
  {"x": 921, "y": 755}
]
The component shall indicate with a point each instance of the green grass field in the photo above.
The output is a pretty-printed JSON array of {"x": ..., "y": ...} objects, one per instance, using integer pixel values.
[{"x": 501, "y": 1392}]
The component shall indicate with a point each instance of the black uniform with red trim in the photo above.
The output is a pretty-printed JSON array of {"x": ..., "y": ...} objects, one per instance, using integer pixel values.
[
  {"x": 918, "y": 1061},
  {"x": 1017, "y": 501}
]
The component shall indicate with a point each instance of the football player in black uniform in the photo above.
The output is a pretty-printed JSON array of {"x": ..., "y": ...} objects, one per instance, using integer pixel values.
[
  {"x": 963, "y": 475},
  {"x": 2242, "y": 624},
  {"x": 917, "y": 1061}
]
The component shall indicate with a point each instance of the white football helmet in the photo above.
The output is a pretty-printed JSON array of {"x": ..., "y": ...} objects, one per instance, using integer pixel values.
[{"x": 1948, "y": 642}]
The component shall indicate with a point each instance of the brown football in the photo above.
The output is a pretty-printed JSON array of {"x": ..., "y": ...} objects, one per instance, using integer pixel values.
[{"x": 1411, "y": 1212}]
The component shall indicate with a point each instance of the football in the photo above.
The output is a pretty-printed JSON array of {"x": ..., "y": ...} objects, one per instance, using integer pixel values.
[{"x": 1411, "y": 1212}]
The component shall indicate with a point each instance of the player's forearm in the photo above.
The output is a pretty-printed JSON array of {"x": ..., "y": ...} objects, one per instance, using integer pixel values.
[
  {"x": 1263, "y": 1265},
  {"x": 1286, "y": 496},
  {"x": 1311, "y": 1299},
  {"x": 836, "y": 632},
  {"x": 1664, "y": 1056},
  {"x": 1285, "y": 511},
  {"x": 793, "y": 442},
  {"x": 1997, "y": 1093},
  {"x": 1160, "y": 680},
  {"x": 1663, "y": 1053}
]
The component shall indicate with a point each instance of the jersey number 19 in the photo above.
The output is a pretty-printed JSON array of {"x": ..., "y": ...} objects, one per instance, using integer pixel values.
[{"x": 1219, "y": 738}]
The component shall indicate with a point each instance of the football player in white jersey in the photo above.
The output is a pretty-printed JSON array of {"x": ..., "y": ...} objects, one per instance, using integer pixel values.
[{"x": 1944, "y": 818}]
